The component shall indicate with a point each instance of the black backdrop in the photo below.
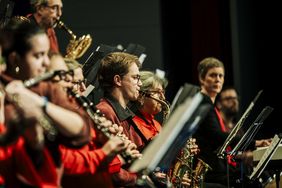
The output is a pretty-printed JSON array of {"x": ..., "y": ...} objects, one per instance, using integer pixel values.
[{"x": 245, "y": 35}]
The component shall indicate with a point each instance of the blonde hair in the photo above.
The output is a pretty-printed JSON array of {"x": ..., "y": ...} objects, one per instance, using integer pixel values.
[
  {"x": 150, "y": 80},
  {"x": 72, "y": 64}
]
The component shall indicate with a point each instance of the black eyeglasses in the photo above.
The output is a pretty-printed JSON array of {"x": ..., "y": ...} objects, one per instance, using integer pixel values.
[
  {"x": 158, "y": 91},
  {"x": 63, "y": 74},
  {"x": 229, "y": 98},
  {"x": 80, "y": 82}
]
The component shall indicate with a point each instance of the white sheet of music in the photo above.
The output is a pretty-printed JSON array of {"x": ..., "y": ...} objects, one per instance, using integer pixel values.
[{"x": 268, "y": 154}]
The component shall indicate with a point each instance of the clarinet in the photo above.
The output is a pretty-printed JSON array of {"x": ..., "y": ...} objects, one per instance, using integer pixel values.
[{"x": 95, "y": 116}]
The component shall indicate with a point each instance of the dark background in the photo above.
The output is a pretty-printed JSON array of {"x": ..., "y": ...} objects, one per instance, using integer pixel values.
[{"x": 243, "y": 34}]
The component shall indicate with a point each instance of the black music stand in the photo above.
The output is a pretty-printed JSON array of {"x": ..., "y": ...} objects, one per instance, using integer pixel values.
[
  {"x": 221, "y": 153},
  {"x": 251, "y": 132},
  {"x": 267, "y": 156},
  {"x": 164, "y": 148}
]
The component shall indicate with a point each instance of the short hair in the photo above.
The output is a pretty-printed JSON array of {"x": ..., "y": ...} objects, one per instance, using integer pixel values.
[
  {"x": 36, "y": 3},
  {"x": 208, "y": 63},
  {"x": 72, "y": 64},
  {"x": 150, "y": 80},
  {"x": 115, "y": 63}
]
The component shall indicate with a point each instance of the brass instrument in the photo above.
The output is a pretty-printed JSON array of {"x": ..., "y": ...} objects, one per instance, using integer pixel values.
[
  {"x": 199, "y": 173},
  {"x": 187, "y": 164},
  {"x": 76, "y": 47},
  {"x": 165, "y": 105}
]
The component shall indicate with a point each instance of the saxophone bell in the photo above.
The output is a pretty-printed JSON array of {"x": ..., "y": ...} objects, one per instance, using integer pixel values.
[{"x": 76, "y": 47}]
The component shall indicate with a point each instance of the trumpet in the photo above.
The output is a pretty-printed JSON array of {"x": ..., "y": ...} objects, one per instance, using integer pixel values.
[{"x": 76, "y": 47}]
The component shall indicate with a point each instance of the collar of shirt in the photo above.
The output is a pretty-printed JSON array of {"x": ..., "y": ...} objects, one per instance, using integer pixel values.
[{"x": 122, "y": 113}]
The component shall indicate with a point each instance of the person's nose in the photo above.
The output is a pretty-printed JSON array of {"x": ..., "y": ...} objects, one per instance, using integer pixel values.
[
  {"x": 59, "y": 13},
  {"x": 46, "y": 61},
  {"x": 82, "y": 87}
]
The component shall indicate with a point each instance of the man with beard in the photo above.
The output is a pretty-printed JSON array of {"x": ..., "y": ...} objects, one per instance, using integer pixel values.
[{"x": 227, "y": 103}]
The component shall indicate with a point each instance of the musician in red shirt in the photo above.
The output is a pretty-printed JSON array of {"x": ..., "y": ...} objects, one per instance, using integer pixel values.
[
  {"x": 37, "y": 151},
  {"x": 46, "y": 13}
]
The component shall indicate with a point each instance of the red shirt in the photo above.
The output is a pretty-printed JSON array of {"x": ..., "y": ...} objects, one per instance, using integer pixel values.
[
  {"x": 148, "y": 126},
  {"x": 16, "y": 164},
  {"x": 114, "y": 112},
  {"x": 54, "y": 46},
  {"x": 86, "y": 167}
]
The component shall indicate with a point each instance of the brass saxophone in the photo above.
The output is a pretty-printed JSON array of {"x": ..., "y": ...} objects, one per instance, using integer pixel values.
[
  {"x": 188, "y": 164},
  {"x": 76, "y": 47},
  {"x": 165, "y": 105}
]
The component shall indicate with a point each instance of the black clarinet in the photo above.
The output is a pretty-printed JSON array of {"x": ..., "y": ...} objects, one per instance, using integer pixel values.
[{"x": 95, "y": 115}]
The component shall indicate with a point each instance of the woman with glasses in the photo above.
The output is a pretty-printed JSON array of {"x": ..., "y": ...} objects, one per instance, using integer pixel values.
[
  {"x": 152, "y": 92},
  {"x": 79, "y": 82}
]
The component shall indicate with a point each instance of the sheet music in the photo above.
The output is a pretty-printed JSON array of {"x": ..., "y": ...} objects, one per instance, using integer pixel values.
[{"x": 266, "y": 157}]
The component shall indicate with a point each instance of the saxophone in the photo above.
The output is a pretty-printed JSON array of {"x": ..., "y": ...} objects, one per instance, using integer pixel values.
[
  {"x": 76, "y": 47},
  {"x": 165, "y": 105},
  {"x": 187, "y": 164}
]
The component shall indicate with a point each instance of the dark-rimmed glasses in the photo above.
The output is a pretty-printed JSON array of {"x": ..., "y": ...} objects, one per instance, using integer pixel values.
[{"x": 63, "y": 74}]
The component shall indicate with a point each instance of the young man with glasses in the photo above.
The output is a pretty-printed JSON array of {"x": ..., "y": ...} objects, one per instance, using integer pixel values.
[
  {"x": 119, "y": 78},
  {"x": 46, "y": 13}
]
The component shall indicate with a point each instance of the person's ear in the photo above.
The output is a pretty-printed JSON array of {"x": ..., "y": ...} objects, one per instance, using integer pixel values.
[
  {"x": 117, "y": 80},
  {"x": 201, "y": 80}
]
